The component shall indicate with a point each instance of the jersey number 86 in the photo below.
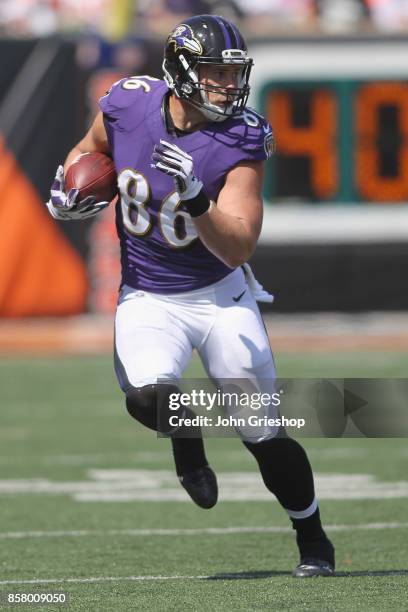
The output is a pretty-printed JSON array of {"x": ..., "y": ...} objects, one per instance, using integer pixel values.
[{"x": 175, "y": 225}]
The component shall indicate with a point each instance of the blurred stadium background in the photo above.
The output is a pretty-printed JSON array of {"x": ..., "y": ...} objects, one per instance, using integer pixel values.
[{"x": 332, "y": 78}]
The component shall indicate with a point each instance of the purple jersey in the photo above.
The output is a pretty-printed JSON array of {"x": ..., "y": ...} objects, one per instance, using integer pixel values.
[{"x": 160, "y": 249}]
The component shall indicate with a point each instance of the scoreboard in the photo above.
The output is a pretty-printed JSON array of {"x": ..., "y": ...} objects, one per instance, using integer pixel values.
[
  {"x": 340, "y": 118},
  {"x": 342, "y": 140}
]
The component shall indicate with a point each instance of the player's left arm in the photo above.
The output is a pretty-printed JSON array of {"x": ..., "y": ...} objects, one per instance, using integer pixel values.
[{"x": 230, "y": 228}]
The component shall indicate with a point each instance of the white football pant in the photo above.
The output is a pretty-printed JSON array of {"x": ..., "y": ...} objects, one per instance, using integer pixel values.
[{"x": 155, "y": 336}]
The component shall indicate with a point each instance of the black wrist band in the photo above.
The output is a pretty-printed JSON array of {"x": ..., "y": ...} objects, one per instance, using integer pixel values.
[{"x": 197, "y": 206}]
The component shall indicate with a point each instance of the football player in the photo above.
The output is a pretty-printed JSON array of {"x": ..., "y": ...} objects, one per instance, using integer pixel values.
[{"x": 189, "y": 156}]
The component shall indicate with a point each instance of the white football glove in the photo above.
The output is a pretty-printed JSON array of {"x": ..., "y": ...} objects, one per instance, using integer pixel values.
[
  {"x": 64, "y": 207},
  {"x": 170, "y": 159},
  {"x": 258, "y": 292}
]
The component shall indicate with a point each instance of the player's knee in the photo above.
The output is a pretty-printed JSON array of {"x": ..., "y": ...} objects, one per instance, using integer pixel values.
[
  {"x": 149, "y": 405},
  {"x": 264, "y": 437},
  {"x": 280, "y": 449}
]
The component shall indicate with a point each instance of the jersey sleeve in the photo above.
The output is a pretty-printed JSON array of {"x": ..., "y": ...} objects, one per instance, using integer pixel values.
[
  {"x": 249, "y": 137},
  {"x": 257, "y": 138},
  {"x": 124, "y": 104},
  {"x": 114, "y": 103}
]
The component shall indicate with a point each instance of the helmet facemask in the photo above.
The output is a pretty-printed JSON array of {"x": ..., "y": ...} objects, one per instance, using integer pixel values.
[{"x": 184, "y": 80}]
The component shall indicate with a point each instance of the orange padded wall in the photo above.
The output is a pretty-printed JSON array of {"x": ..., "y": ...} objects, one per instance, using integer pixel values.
[{"x": 40, "y": 273}]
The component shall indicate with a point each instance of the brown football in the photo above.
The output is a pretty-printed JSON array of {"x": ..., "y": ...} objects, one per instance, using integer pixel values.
[{"x": 93, "y": 174}]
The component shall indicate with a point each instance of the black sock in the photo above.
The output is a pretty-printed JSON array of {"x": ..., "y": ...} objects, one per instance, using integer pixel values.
[
  {"x": 309, "y": 528},
  {"x": 189, "y": 454},
  {"x": 312, "y": 540},
  {"x": 286, "y": 471}
]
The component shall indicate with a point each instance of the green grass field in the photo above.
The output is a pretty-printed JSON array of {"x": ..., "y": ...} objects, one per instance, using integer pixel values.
[{"x": 67, "y": 522}]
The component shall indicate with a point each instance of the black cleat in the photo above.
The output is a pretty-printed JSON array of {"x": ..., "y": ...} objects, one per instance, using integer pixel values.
[
  {"x": 316, "y": 559},
  {"x": 312, "y": 568},
  {"x": 201, "y": 485}
]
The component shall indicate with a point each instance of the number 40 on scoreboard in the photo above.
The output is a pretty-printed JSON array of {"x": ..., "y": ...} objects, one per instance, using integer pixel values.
[{"x": 340, "y": 141}]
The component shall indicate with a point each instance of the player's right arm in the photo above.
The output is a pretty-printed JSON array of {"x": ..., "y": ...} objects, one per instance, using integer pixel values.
[
  {"x": 96, "y": 139},
  {"x": 63, "y": 205}
]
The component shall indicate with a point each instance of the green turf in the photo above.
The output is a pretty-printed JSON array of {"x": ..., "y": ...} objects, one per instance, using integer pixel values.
[{"x": 62, "y": 417}]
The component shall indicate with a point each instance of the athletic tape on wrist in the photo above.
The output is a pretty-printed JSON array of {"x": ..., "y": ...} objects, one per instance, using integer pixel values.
[{"x": 197, "y": 206}]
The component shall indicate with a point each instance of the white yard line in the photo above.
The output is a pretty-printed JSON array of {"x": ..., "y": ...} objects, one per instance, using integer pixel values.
[
  {"x": 98, "y": 579},
  {"x": 159, "y": 532},
  {"x": 15, "y": 535},
  {"x": 142, "y": 485}
]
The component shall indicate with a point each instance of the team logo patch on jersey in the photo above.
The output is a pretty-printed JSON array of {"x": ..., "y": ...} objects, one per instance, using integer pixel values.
[
  {"x": 182, "y": 38},
  {"x": 269, "y": 144}
]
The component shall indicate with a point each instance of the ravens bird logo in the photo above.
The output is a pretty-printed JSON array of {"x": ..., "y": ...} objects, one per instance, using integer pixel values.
[{"x": 182, "y": 38}]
